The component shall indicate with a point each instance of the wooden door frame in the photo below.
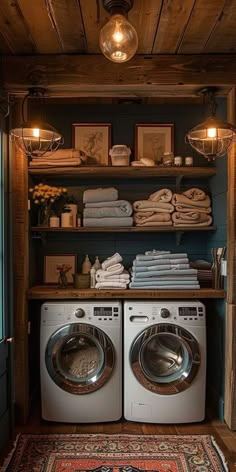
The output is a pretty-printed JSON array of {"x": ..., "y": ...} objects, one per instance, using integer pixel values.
[{"x": 230, "y": 316}]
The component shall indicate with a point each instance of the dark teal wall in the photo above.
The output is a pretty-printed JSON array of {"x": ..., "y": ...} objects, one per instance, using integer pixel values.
[{"x": 123, "y": 119}]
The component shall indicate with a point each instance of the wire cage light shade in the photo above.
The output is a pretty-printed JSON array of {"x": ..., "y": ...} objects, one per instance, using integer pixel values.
[
  {"x": 213, "y": 137},
  {"x": 36, "y": 138},
  {"x": 118, "y": 39}
]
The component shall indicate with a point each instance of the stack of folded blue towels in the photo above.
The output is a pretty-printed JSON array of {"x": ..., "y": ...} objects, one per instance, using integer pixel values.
[
  {"x": 102, "y": 208},
  {"x": 163, "y": 270}
]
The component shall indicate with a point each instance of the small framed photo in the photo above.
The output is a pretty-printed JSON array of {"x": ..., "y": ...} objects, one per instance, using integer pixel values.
[
  {"x": 94, "y": 139},
  {"x": 152, "y": 140},
  {"x": 53, "y": 264}
]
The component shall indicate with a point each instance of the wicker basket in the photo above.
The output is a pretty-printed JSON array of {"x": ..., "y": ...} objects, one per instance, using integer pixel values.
[{"x": 82, "y": 280}]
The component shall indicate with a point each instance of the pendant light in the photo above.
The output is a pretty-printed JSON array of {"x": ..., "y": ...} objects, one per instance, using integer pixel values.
[
  {"x": 118, "y": 38},
  {"x": 35, "y": 137},
  {"x": 214, "y": 137}
]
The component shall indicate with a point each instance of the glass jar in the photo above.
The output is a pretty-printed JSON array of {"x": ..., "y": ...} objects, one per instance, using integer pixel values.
[{"x": 168, "y": 159}]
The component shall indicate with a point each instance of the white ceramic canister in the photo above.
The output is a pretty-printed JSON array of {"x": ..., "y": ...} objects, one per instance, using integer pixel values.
[
  {"x": 54, "y": 222},
  {"x": 189, "y": 161},
  {"x": 66, "y": 220},
  {"x": 74, "y": 210}
]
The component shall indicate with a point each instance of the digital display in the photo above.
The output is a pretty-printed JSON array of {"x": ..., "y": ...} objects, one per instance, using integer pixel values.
[
  {"x": 188, "y": 311},
  {"x": 102, "y": 311}
]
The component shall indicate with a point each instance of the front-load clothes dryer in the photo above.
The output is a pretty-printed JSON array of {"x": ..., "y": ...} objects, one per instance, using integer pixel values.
[
  {"x": 81, "y": 361},
  {"x": 164, "y": 361}
]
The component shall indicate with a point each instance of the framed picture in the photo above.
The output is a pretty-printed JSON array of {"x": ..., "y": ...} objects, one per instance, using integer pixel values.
[
  {"x": 152, "y": 140},
  {"x": 94, "y": 139},
  {"x": 53, "y": 264}
]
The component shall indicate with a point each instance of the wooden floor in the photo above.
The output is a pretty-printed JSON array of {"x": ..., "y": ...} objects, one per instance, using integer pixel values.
[{"x": 226, "y": 438}]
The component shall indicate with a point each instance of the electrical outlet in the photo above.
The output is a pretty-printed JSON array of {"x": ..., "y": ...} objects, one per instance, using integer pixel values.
[{"x": 223, "y": 269}]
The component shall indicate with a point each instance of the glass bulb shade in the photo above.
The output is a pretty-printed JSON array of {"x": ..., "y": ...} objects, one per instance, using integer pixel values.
[
  {"x": 212, "y": 138},
  {"x": 118, "y": 39},
  {"x": 36, "y": 139}
]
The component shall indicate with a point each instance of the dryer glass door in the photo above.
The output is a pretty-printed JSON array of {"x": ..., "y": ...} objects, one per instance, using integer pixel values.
[
  {"x": 79, "y": 358},
  {"x": 165, "y": 358}
]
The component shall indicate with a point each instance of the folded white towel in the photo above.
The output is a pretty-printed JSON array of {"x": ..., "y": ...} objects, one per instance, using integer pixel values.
[
  {"x": 111, "y": 261},
  {"x": 111, "y": 285},
  {"x": 102, "y": 275}
]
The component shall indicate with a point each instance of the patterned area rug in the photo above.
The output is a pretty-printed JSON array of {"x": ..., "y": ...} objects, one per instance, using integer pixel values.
[{"x": 115, "y": 453}]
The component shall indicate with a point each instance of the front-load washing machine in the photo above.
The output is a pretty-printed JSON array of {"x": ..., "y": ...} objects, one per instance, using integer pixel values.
[
  {"x": 164, "y": 361},
  {"x": 81, "y": 361}
]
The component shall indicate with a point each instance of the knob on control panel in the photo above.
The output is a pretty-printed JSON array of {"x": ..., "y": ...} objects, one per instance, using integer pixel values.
[
  {"x": 164, "y": 313},
  {"x": 79, "y": 313}
]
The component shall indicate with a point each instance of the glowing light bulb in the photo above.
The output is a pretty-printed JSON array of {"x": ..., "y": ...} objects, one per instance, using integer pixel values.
[
  {"x": 36, "y": 132},
  {"x": 118, "y": 36},
  {"x": 211, "y": 132}
]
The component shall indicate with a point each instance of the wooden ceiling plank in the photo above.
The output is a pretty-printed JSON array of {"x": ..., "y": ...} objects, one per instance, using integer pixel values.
[
  {"x": 94, "y": 18},
  {"x": 5, "y": 47},
  {"x": 174, "y": 18},
  {"x": 66, "y": 17},
  {"x": 40, "y": 26},
  {"x": 223, "y": 37},
  {"x": 14, "y": 29},
  {"x": 144, "y": 16},
  {"x": 200, "y": 25},
  {"x": 60, "y": 73}
]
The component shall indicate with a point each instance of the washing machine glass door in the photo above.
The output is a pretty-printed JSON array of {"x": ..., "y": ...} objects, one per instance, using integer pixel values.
[
  {"x": 79, "y": 358},
  {"x": 165, "y": 358}
]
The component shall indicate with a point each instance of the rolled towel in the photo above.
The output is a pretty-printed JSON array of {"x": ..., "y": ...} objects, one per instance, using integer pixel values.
[
  {"x": 111, "y": 261},
  {"x": 148, "y": 205},
  {"x": 100, "y": 195},
  {"x": 195, "y": 194},
  {"x": 106, "y": 273},
  {"x": 181, "y": 199},
  {"x": 163, "y": 195},
  {"x": 192, "y": 218}
]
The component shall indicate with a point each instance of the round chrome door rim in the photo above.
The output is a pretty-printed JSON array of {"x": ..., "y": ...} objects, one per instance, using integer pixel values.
[
  {"x": 190, "y": 345},
  {"x": 54, "y": 346}
]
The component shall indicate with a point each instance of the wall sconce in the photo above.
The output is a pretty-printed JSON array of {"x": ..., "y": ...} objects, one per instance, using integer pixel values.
[
  {"x": 214, "y": 137},
  {"x": 118, "y": 38},
  {"x": 35, "y": 137}
]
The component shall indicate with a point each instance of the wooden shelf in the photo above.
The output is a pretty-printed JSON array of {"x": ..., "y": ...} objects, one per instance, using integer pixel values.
[
  {"x": 53, "y": 292},
  {"x": 122, "y": 229},
  {"x": 128, "y": 172}
]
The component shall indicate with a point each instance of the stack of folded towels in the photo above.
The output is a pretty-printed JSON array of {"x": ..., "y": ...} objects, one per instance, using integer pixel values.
[
  {"x": 192, "y": 208},
  {"x": 102, "y": 208},
  {"x": 60, "y": 158},
  {"x": 204, "y": 272},
  {"x": 155, "y": 211},
  {"x": 163, "y": 270},
  {"x": 112, "y": 274}
]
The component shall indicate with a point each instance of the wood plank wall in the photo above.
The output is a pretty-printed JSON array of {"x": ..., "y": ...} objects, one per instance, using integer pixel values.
[
  {"x": 19, "y": 176},
  {"x": 230, "y": 336}
]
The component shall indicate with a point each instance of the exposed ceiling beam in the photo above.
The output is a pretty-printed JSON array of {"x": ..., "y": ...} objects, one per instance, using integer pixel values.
[{"x": 78, "y": 75}]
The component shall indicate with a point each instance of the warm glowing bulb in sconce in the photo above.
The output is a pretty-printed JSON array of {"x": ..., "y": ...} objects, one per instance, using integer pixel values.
[
  {"x": 211, "y": 132},
  {"x": 36, "y": 132}
]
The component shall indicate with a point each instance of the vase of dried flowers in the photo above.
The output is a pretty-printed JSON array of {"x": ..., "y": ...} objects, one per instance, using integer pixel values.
[
  {"x": 62, "y": 270},
  {"x": 44, "y": 196}
]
